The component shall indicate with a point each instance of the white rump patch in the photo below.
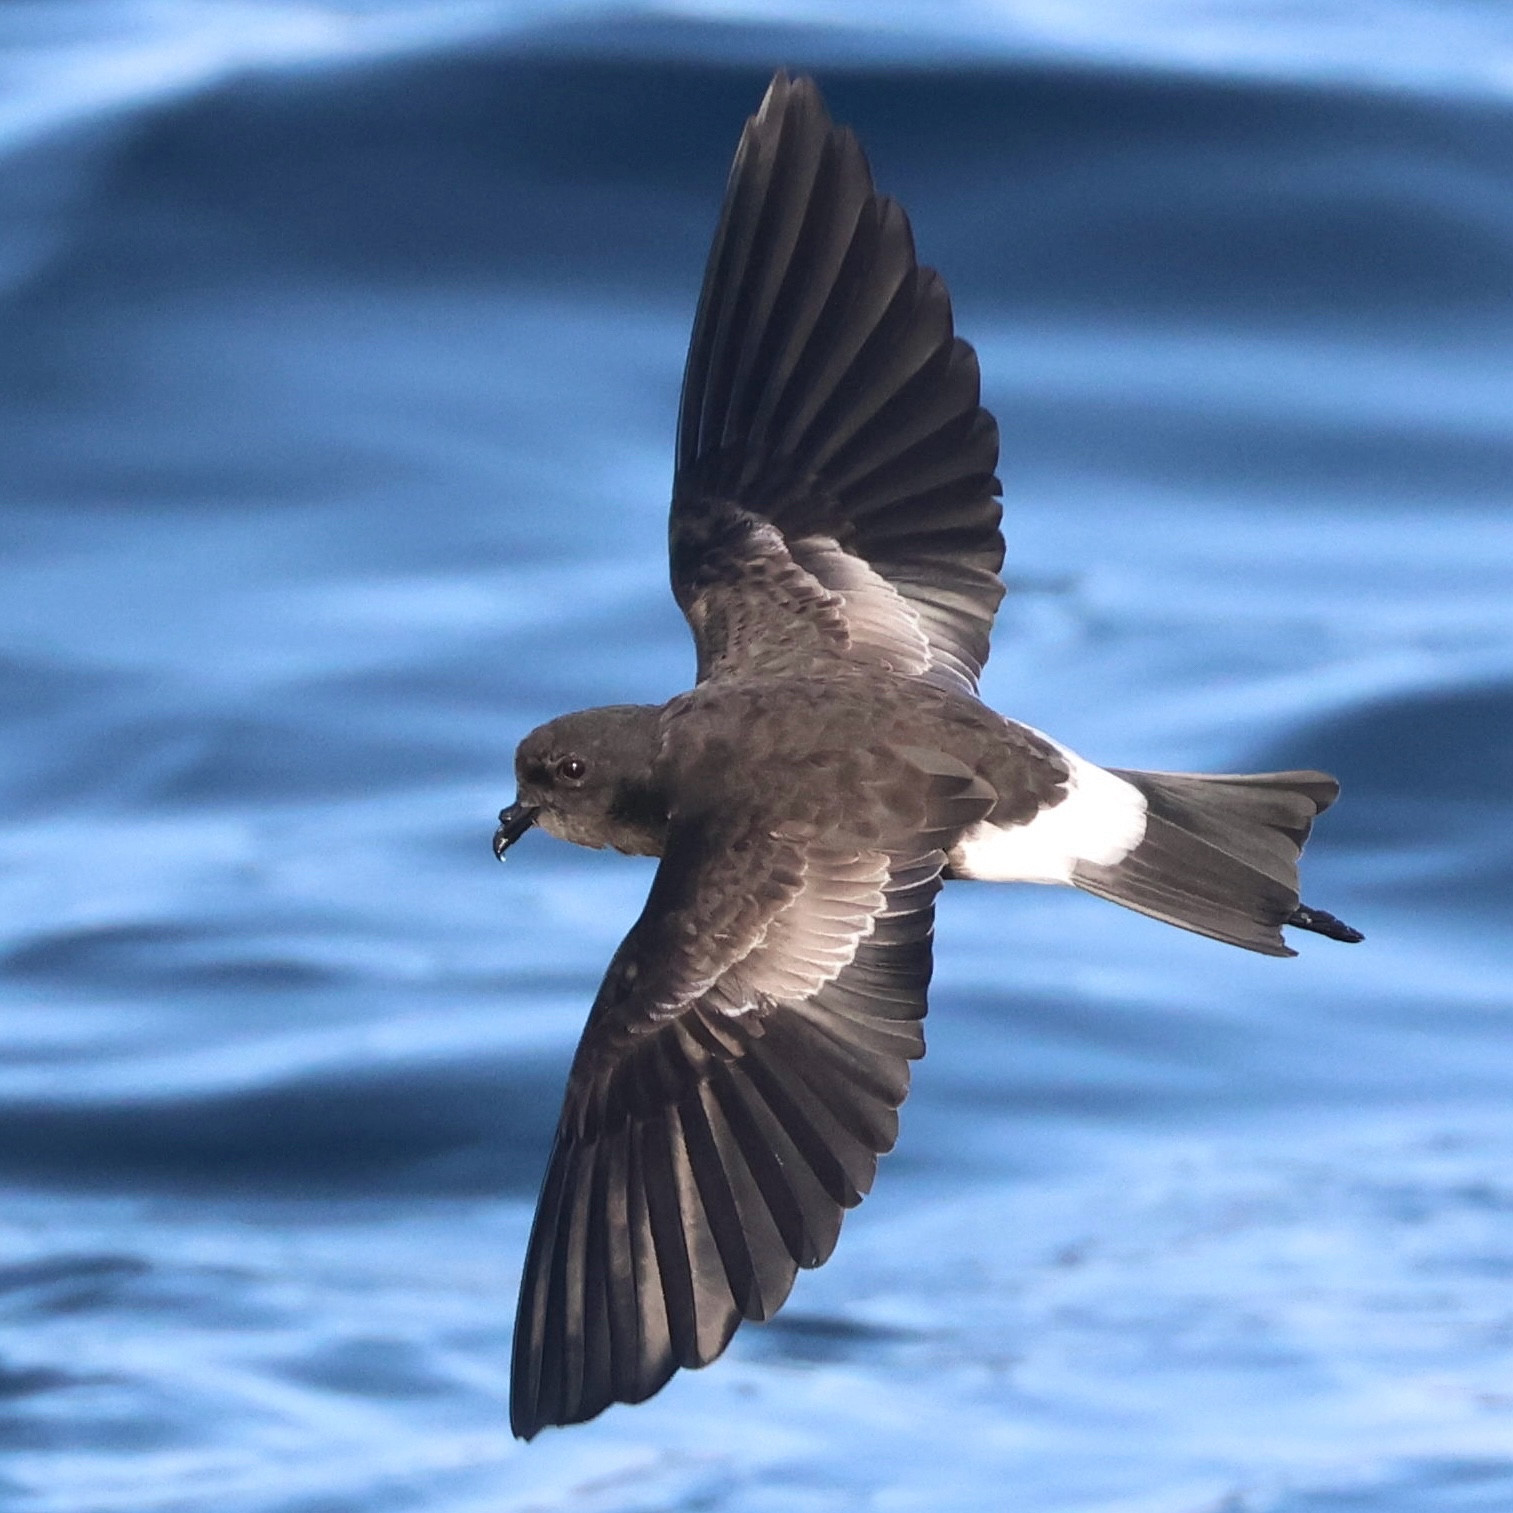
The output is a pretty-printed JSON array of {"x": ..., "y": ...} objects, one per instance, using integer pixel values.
[{"x": 1100, "y": 821}]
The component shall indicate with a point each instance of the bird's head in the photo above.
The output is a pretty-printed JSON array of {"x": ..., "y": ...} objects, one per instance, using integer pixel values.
[{"x": 589, "y": 778}]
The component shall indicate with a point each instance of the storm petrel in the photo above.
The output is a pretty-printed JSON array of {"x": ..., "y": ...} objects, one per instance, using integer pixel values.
[{"x": 835, "y": 547}]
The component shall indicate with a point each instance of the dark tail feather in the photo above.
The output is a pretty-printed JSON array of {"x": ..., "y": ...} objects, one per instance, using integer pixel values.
[{"x": 1220, "y": 855}]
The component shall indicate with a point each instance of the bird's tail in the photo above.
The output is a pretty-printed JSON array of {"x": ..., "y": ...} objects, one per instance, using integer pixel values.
[{"x": 1220, "y": 856}]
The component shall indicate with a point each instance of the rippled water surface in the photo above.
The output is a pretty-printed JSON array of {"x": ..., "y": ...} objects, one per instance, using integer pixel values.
[{"x": 338, "y": 358}]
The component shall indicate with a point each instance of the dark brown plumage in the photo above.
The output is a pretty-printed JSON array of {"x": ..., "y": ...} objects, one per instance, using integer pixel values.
[{"x": 834, "y": 544}]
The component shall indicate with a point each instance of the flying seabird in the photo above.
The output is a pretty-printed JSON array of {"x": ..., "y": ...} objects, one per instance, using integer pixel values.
[{"x": 835, "y": 547}]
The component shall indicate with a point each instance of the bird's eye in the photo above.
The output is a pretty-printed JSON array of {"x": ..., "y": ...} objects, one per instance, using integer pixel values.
[{"x": 571, "y": 769}]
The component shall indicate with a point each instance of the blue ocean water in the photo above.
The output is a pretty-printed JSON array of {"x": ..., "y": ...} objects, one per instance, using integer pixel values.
[{"x": 339, "y": 348}]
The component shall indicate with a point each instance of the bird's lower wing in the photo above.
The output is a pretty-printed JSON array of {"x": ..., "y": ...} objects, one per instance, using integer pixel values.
[{"x": 709, "y": 1149}]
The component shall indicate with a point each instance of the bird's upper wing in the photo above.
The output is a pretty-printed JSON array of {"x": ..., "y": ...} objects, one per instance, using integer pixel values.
[
  {"x": 740, "y": 1073},
  {"x": 835, "y": 487}
]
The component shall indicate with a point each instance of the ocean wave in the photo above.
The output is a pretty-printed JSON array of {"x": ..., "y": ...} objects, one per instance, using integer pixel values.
[{"x": 66, "y": 63}]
